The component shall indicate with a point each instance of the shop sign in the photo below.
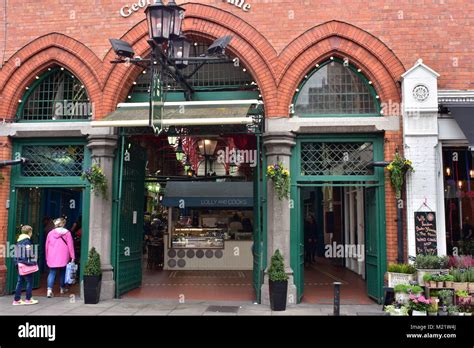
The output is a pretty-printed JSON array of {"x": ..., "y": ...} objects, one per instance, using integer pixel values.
[
  {"x": 128, "y": 10},
  {"x": 425, "y": 233},
  {"x": 232, "y": 202},
  {"x": 245, "y": 6}
]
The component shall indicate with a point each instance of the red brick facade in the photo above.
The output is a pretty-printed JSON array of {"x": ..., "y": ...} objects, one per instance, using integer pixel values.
[{"x": 278, "y": 41}]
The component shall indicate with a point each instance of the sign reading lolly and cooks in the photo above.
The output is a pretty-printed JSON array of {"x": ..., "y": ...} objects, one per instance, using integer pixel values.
[
  {"x": 129, "y": 9},
  {"x": 425, "y": 233}
]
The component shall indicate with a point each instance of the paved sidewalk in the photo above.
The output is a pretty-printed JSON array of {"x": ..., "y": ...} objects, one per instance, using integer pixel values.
[{"x": 63, "y": 306}]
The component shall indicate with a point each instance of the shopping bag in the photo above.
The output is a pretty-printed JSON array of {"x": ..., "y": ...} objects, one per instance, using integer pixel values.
[{"x": 70, "y": 277}]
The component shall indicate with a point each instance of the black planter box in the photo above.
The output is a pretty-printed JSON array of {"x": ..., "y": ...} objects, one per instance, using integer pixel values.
[
  {"x": 92, "y": 289},
  {"x": 278, "y": 294}
]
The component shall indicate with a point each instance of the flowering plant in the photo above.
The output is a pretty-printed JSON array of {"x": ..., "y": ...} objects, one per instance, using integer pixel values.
[
  {"x": 95, "y": 175},
  {"x": 281, "y": 179},
  {"x": 397, "y": 170},
  {"x": 418, "y": 303}
]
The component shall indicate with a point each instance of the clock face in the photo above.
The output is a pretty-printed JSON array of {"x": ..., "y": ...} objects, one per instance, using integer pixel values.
[{"x": 421, "y": 93}]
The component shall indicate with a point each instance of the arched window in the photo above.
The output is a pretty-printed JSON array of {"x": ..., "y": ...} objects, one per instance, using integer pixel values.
[
  {"x": 213, "y": 76},
  {"x": 55, "y": 95},
  {"x": 335, "y": 89}
]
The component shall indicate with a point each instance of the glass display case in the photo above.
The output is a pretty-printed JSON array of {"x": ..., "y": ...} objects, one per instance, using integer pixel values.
[{"x": 197, "y": 238}]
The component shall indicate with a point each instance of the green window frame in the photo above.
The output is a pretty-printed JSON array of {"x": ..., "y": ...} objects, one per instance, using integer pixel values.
[
  {"x": 55, "y": 96},
  {"x": 74, "y": 179},
  {"x": 344, "y": 95}
]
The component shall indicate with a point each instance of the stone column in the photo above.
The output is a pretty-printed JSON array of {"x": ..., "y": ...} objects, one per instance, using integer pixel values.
[
  {"x": 102, "y": 149},
  {"x": 278, "y": 147}
]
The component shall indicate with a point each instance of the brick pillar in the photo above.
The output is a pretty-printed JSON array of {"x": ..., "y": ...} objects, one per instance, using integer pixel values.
[{"x": 5, "y": 154}]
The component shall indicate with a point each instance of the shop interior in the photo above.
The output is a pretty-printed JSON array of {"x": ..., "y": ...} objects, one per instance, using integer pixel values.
[
  {"x": 334, "y": 219},
  {"x": 38, "y": 207},
  {"x": 459, "y": 200},
  {"x": 198, "y": 217}
]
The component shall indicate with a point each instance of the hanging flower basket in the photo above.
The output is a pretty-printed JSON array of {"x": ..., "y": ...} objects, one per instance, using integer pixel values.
[
  {"x": 280, "y": 178},
  {"x": 96, "y": 177},
  {"x": 397, "y": 170}
]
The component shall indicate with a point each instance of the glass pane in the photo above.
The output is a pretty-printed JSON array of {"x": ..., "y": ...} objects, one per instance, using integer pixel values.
[
  {"x": 335, "y": 90},
  {"x": 61, "y": 160},
  {"x": 336, "y": 158},
  {"x": 459, "y": 200},
  {"x": 60, "y": 96}
]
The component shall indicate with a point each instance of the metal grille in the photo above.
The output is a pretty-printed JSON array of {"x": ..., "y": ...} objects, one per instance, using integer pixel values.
[
  {"x": 60, "y": 160},
  {"x": 210, "y": 76},
  {"x": 335, "y": 90},
  {"x": 60, "y": 96},
  {"x": 319, "y": 158}
]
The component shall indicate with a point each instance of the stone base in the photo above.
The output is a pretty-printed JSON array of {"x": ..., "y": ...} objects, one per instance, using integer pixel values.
[
  {"x": 291, "y": 298},
  {"x": 107, "y": 290}
]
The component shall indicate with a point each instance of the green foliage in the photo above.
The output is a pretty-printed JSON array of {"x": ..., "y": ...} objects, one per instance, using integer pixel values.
[
  {"x": 397, "y": 170},
  {"x": 401, "y": 268},
  {"x": 280, "y": 178},
  {"x": 448, "y": 278},
  {"x": 462, "y": 293},
  {"x": 276, "y": 272},
  {"x": 461, "y": 275},
  {"x": 393, "y": 310},
  {"x": 427, "y": 277},
  {"x": 92, "y": 267},
  {"x": 433, "y": 307},
  {"x": 446, "y": 297},
  {"x": 96, "y": 177},
  {"x": 453, "y": 309},
  {"x": 408, "y": 289},
  {"x": 431, "y": 262}
]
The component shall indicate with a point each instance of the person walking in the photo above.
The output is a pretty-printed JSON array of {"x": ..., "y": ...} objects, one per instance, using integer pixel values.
[
  {"x": 24, "y": 255},
  {"x": 59, "y": 251},
  {"x": 309, "y": 239}
]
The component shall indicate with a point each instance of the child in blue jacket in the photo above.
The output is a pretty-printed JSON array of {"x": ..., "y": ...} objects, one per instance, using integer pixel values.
[{"x": 24, "y": 254}]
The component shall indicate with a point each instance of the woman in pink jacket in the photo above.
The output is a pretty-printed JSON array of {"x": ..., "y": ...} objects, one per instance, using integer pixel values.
[{"x": 59, "y": 251}]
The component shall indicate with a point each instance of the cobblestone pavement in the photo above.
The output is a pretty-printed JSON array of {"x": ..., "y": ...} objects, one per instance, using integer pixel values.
[{"x": 65, "y": 306}]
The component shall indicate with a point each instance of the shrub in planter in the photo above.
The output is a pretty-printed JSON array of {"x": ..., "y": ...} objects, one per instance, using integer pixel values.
[
  {"x": 431, "y": 264},
  {"x": 92, "y": 278},
  {"x": 446, "y": 297},
  {"x": 460, "y": 279},
  {"x": 453, "y": 310},
  {"x": 464, "y": 301},
  {"x": 433, "y": 308},
  {"x": 402, "y": 292},
  {"x": 439, "y": 279},
  {"x": 396, "y": 311},
  {"x": 400, "y": 273},
  {"x": 278, "y": 282},
  {"x": 448, "y": 280}
]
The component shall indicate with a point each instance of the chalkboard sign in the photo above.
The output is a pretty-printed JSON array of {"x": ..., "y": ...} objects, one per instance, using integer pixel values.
[{"x": 425, "y": 233}]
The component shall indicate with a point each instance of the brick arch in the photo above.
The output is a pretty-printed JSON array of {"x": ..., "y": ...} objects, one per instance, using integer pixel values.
[
  {"x": 205, "y": 21},
  {"x": 338, "y": 39},
  {"x": 42, "y": 53}
]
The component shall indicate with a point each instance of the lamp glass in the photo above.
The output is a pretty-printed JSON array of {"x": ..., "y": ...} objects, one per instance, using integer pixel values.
[
  {"x": 207, "y": 147},
  {"x": 180, "y": 49},
  {"x": 176, "y": 19},
  {"x": 159, "y": 21}
]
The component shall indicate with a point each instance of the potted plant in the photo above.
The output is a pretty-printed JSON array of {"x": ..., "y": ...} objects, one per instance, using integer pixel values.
[
  {"x": 395, "y": 310},
  {"x": 453, "y": 310},
  {"x": 470, "y": 279},
  {"x": 278, "y": 282},
  {"x": 96, "y": 177},
  {"x": 464, "y": 301},
  {"x": 460, "y": 279},
  {"x": 446, "y": 297},
  {"x": 280, "y": 178},
  {"x": 428, "y": 280},
  {"x": 418, "y": 305},
  {"x": 433, "y": 308},
  {"x": 402, "y": 292},
  {"x": 431, "y": 264},
  {"x": 443, "y": 311},
  {"x": 397, "y": 170},
  {"x": 439, "y": 279},
  {"x": 448, "y": 281},
  {"x": 400, "y": 273},
  {"x": 92, "y": 278}
]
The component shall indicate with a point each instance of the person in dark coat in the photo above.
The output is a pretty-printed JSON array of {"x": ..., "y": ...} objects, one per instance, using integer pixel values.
[
  {"x": 24, "y": 254},
  {"x": 310, "y": 235}
]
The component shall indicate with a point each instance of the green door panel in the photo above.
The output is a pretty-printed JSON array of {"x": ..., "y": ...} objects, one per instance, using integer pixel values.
[
  {"x": 257, "y": 247},
  {"x": 128, "y": 272}
]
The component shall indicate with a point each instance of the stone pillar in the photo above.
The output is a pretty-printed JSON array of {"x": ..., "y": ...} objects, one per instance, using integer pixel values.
[
  {"x": 102, "y": 149},
  {"x": 278, "y": 147}
]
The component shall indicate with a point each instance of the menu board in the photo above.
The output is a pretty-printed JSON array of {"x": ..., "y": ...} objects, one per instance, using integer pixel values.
[{"x": 425, "y": 232}]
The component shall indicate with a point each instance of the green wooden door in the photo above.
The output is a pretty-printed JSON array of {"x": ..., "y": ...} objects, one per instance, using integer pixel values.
[
  {"x": 372, "y": 249},
  {"x": 297, "y": 240},
  {"x": 128, "y": 273}
]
